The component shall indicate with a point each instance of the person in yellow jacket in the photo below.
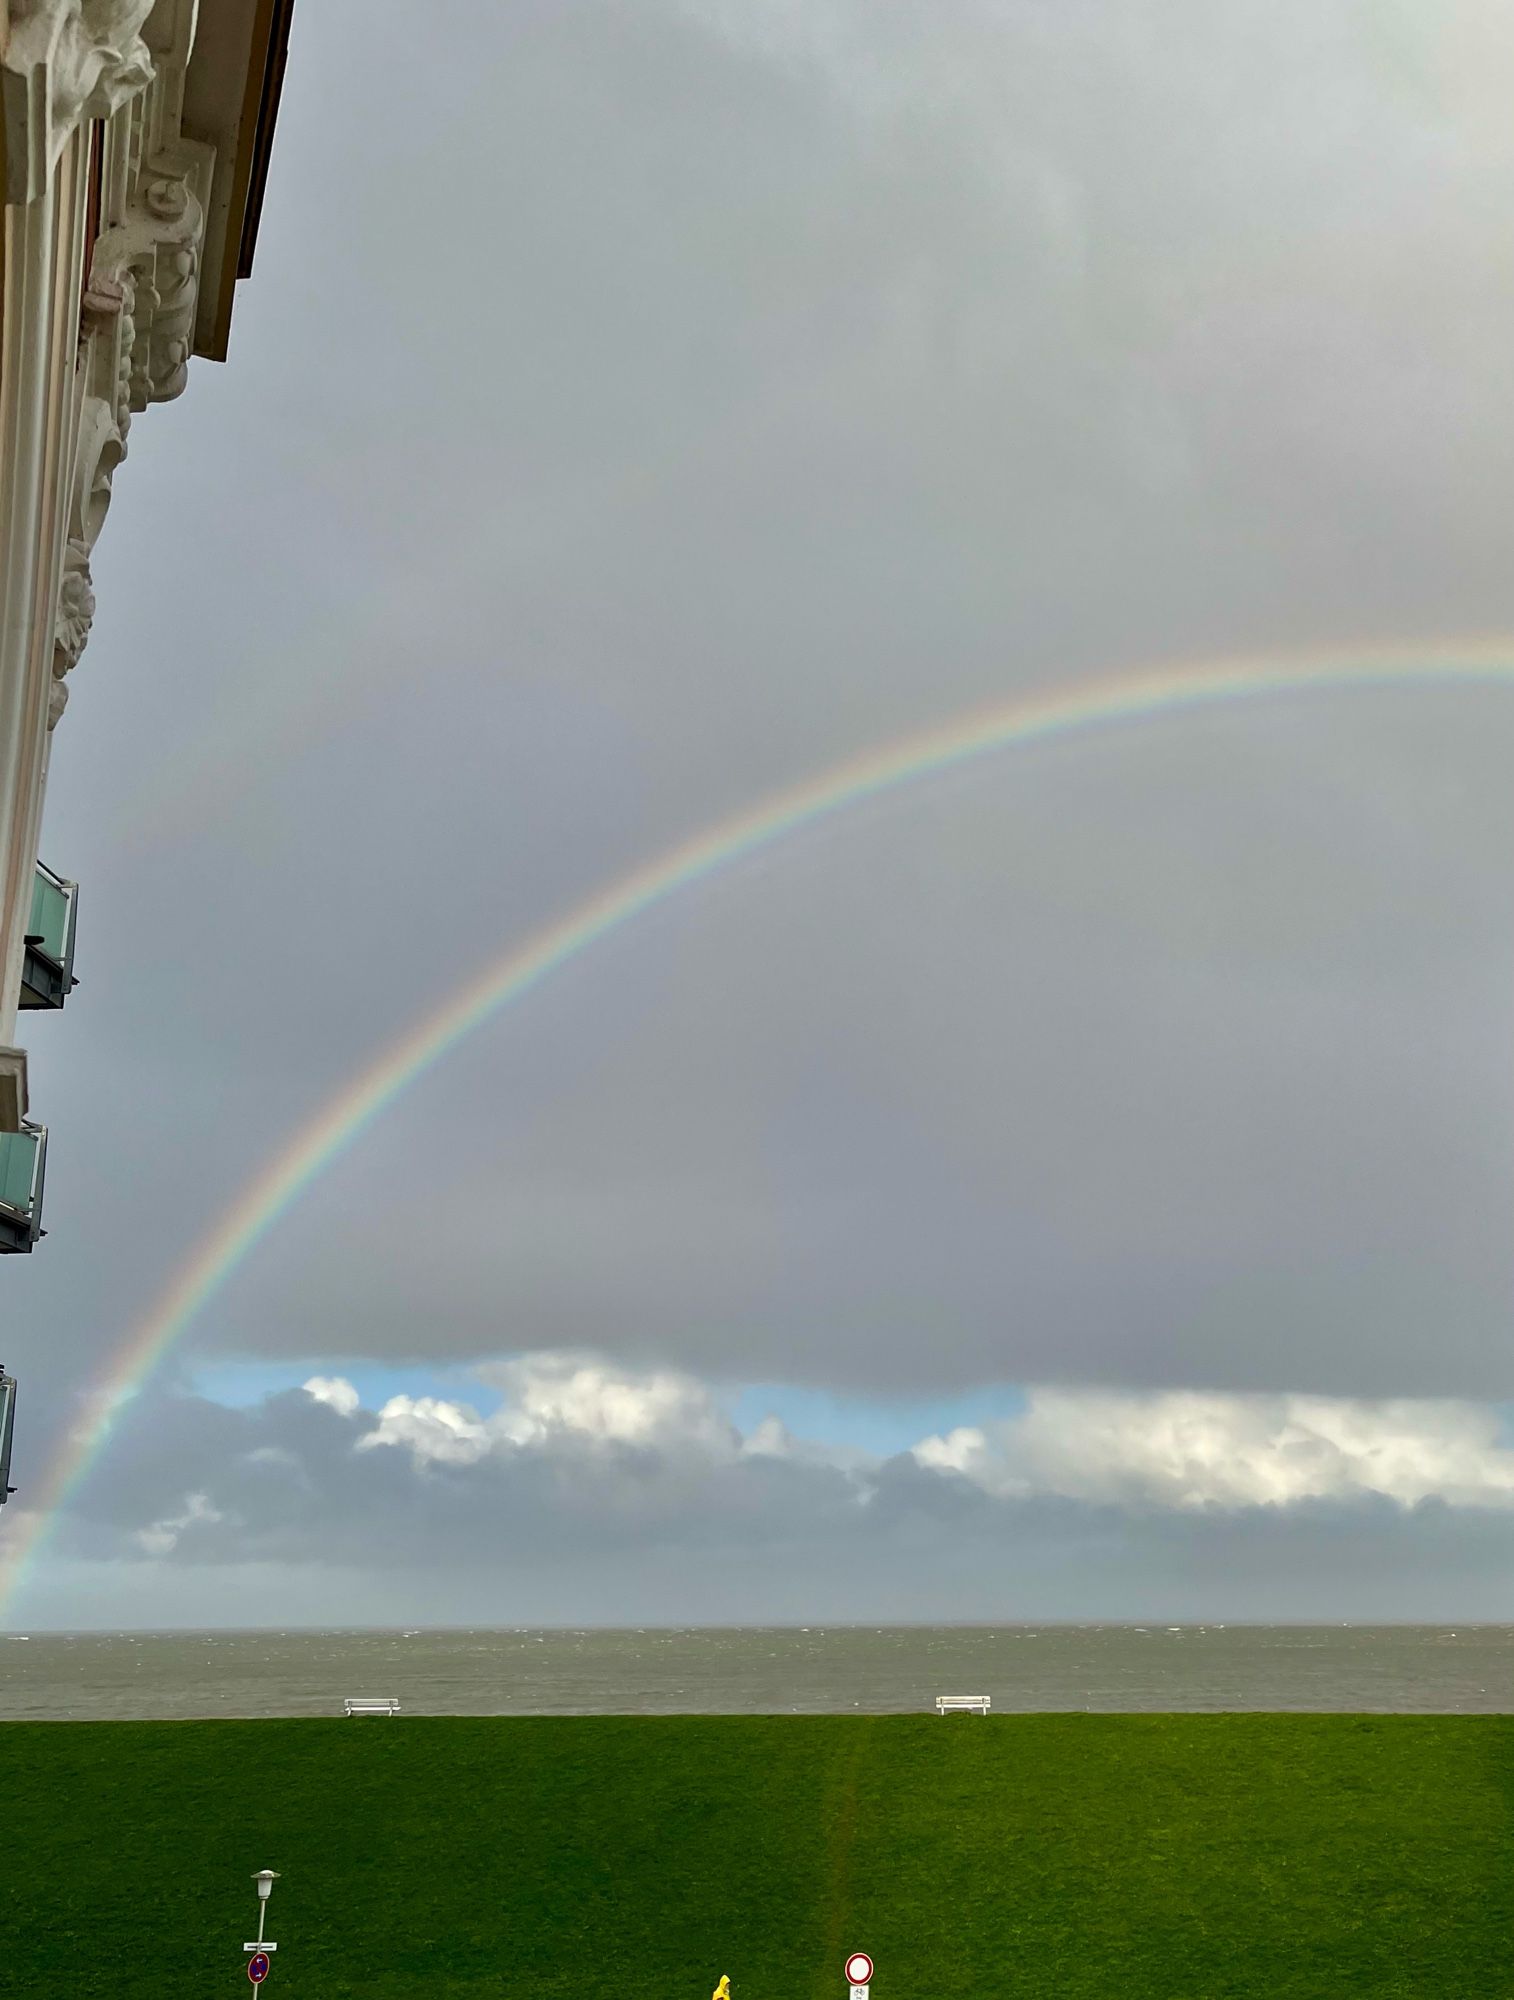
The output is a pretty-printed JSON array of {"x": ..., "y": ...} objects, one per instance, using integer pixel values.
[{"x": 723, "y": 1990}]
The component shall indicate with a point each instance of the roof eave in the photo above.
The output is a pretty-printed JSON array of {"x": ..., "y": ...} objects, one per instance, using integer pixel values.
[{"x": 231, "y": 101}]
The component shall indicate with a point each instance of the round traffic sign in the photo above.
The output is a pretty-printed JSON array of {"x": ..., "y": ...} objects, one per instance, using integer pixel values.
[
  {"x": 859, "y": 1968},
  {"x": 257, "y": 1967}
]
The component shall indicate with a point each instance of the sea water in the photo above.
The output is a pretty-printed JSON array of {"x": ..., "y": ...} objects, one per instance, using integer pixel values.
[{"x": 812, "y": 1670}]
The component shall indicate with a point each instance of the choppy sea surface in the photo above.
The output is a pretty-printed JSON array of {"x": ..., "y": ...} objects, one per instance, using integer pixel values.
[{"x": 878, "y": 1670}]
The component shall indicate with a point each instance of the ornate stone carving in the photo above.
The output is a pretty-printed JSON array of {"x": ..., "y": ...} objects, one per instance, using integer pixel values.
[
  {"x": 137, "y": 327},
  {"x": 100, "y": 450},
  {"x": 120, "y": 351},
  {"x": 72, "y": 60},
  {"x": 66, "y": 61},
  {"x": 153, "y": 260},
  {"x": 104, "y": 299},
  {"x": 76, "y": 613}
]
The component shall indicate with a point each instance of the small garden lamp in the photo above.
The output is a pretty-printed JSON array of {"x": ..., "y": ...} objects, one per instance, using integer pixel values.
[{"x": 265, "y": 1879}]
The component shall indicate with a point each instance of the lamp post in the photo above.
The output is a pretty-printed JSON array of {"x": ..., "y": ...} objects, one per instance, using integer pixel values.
[{"x": 265, "y": 1879}]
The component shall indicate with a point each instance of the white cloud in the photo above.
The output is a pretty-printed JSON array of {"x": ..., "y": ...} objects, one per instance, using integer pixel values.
[
  {"x": 771, "y": 1439},
  {"x": 435, "y": 1430},
  {"x": 1189, "y": 1449},
  {"x": 334, "y": 1391},
  {"x": 162, "y": 1537},
  {"x": 552, "y": 1397},
  {"x": 554, "y": 1401}
]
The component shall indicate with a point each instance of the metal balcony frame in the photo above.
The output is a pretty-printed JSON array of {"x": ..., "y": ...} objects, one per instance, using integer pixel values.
[
  {"x": 20, "y": 1228},
  {"x": 47, "y": 981},
  {"x": 7, "y": 1431}
]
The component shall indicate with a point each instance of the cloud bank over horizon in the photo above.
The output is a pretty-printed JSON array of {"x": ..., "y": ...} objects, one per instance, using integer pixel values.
[
  {"x": 550, "y": 1507},
  {"x": 1181, "y": 1450}
]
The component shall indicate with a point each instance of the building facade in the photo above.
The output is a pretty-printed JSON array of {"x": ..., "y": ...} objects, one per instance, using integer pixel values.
[{"x": 134, "y": 140}]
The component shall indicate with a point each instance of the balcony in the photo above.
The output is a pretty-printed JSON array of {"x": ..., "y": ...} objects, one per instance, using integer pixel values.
[
  {"x": 47, "y": 976},
  {"x": 23, "y": 1157}
]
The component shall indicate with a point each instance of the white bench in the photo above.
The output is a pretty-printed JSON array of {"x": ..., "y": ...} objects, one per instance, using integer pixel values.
[
  {"x": 370, "y": 1705},
  {"x": 947, "y": 1704}
]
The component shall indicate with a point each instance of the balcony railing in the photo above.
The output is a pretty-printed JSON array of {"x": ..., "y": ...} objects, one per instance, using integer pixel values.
[
  {"x": 7, "y": 1429},
  {"x": 23, "y": 1157},
  {"x": 47, "y": 976}
]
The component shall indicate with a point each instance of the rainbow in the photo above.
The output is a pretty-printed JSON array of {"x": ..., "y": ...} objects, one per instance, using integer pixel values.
[{"x": 1017, "y": 723}]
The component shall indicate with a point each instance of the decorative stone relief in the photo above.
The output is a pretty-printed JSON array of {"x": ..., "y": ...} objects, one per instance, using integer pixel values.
[
  {"x": 66, "y": 61},
  {"x": 167, "y": 285},
  {"x": 76, "y": 613},
  {"x": 100, "y": 450},
  {"x": 136, "y": 330},
  {"x": 139, "y": 306}
]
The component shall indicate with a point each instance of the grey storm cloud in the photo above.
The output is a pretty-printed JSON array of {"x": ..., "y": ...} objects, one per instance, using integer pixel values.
[{"x": 699, "y": 394}]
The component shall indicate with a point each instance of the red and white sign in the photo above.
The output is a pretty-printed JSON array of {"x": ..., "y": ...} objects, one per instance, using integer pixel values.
[
  {"x": 257, "y": 1967},
  {"x": 859, "y": 1968}
]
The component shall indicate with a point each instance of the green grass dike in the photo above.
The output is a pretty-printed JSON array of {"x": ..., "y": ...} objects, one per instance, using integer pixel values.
[{"x": 638, "y": 1858}]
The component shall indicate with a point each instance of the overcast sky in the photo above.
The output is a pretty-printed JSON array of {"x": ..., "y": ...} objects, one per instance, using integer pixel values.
[{"x": 1079, "y": 1188}]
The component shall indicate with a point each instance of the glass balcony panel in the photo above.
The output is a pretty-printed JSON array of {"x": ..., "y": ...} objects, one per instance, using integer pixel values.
[
  {"x": 22, "y": 1155},
  {"x": 18, "y": 1169},
  {"x": 47, "y": 975},
  {"x": 49, "y": 918}
]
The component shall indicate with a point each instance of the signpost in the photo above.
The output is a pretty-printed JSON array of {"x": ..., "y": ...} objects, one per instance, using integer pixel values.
[
  {"x": 257, "y": 1965},
  {"x": 859, "y": 1970}
]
